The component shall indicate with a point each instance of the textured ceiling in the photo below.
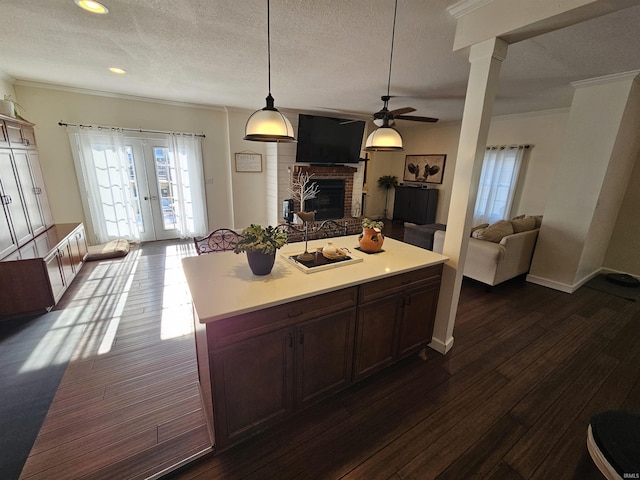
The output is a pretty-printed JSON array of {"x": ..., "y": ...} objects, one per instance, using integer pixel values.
[{"x": 328, "y": 56}]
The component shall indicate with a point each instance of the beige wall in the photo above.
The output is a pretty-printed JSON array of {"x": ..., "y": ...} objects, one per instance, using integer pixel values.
[
  {"x": 46, "y": 107},
  {"x": 622, "y": 253},
  {"x": 543, "y": 130}
]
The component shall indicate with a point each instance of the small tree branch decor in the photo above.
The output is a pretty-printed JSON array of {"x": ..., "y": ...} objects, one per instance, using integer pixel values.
[
  {"x": 302, "y": 190},
  {"x": 387, "y": 182}
]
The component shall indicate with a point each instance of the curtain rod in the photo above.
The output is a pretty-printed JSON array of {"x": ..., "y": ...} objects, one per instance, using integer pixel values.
[
  {"x": 502, "y": 147},
  {"x": 63, "y": 124}
]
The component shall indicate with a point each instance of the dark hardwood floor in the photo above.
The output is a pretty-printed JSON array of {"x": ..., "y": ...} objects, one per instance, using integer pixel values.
[{"x": 511, "y": 400}]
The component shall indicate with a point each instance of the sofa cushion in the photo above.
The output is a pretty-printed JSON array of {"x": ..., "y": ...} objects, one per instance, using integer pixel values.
[
  {"x": 523, "y": 224},
  {"x": 494, "y": 232}
]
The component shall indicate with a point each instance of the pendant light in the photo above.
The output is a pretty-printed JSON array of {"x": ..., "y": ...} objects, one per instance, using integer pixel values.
[
  {"x": 268, "y": 124},
  {"x": 386, "y": 138}
]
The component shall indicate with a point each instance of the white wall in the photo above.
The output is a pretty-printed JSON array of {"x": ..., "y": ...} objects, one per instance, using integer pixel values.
[{"x": 46, "y": 107}]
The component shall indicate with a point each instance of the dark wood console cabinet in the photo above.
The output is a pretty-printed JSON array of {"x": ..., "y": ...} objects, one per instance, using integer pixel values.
[
  {"x": 415, "y": 204},
  {"x": 259, "y": 368},
  {"x": 35, "y": 277}
]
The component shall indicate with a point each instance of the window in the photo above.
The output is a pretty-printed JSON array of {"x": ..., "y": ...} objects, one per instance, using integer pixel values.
[{"x": 498, "y": 181}]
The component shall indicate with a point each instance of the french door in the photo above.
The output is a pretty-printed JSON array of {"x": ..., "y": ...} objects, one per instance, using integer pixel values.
[{"x": 152, "y": 172}]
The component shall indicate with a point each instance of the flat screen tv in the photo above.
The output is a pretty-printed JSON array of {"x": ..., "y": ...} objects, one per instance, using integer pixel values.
[{"x": 326, "y": 140}]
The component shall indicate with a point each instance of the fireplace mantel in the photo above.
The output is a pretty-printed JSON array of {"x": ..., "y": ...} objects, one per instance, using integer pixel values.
[{"x": 322, "y": 170}]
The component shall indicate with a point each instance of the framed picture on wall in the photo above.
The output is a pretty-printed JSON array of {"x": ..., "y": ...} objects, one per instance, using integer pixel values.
[{"x": 424, "y": 168}]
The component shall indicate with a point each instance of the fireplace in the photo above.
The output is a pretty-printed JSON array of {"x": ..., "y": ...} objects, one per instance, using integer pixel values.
[{"x": 329, "y": 202}]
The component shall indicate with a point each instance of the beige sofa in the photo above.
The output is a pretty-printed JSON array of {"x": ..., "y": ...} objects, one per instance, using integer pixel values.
[{"x": 499, "y": 257}]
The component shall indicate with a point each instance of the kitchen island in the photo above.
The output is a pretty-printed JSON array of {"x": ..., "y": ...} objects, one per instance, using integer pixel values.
[{"x": 269, "y": 346}]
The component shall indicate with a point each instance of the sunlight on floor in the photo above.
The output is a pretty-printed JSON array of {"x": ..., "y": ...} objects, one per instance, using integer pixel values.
[
  {"x": 57, "y": 345},
  {"x": 177, "y": 317},
  {"x": 103, "y": 299}
]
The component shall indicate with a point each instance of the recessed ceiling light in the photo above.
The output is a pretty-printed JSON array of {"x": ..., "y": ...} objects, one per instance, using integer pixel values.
[
  {"x": 92, "y": 6},
  {"x": 117, "y": 70}
]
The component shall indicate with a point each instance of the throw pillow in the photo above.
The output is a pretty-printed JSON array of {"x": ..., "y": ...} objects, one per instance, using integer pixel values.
[
  {"x": 537, "y": 218},
  {"x": 494, "y": 232},
  {"x": 523, "y": 224},
  {"x": 518, "y": 217},
  {"x": 477, "y": 227}
]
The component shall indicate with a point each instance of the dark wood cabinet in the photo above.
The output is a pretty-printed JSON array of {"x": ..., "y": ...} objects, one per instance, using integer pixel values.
[
  {"x": 266, "y": 365},
  {"x": 35, "y": 276},
  {"x": 395, "y": 318},
  {"x": 259, "y": 368},
  {"x": 415, "y": 204},
  {"x": 324, "y": 355},
  {"x": 253, "y": 385}
]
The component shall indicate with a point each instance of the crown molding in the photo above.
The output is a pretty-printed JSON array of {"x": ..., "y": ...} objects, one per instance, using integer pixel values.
[
  {"x": 465, "y": 7},
  {"x": 605, "y": 79},
  {"x": 120, "y": 96}
]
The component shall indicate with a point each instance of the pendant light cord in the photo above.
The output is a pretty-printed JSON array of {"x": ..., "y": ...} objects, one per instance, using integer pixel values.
[
  {"x": 393, "y": 36},
  {"x": 269, "y": 44}
]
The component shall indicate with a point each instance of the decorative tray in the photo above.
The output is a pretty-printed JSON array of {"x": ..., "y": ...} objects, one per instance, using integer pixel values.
[{"x": 320, "y": 261}]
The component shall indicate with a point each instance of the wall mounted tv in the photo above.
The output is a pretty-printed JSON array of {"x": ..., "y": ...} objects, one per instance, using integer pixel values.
[{"x": 325, "y": 140}]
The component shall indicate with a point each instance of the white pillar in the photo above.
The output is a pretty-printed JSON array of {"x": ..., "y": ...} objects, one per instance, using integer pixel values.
[{"x": 486, "y": 59}]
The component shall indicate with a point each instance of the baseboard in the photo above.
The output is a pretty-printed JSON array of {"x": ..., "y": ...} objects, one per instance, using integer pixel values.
[
  {"x": 440, "y": 346},
  {"x": 545, "y": 282}
]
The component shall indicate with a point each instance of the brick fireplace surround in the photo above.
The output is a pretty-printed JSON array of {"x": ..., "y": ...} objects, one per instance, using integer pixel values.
[{"x": 333, "y": 172}]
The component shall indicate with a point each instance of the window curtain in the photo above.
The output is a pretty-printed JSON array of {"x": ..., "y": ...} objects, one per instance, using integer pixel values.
[
  {"x": 185, "y": 152},
  {"x": 102, "y": 168},
  {"x": 498, "y": 182}
]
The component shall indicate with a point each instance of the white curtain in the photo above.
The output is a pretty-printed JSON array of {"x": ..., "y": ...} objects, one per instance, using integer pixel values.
[
  {"x": 498, "y": 182},
  {"x": 104, "y": 175},
  {"x": 185, "y": 154}
]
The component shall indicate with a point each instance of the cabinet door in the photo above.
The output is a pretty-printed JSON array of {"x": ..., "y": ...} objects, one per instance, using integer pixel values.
[
  {"x": 20, "y": 136},
  {"x": 324, "y": 356},
  {"x": 418, "y": 316},
  {"x": 8, "y": 242},
  {"x": 40, "y": 190},
  {"x": 419, "y": 205},
  {"x": 56, "y": 279},
  {"x": 66, "y": 261},
  {"x": 12, "y": 199},
  {"x": 402, "y": 203},
  {"x": 4, "y": 137},
  {"x": 29, "y": 191},
  {"x": 253, "y": 385},
  {"x": 78, "y": 245},
  {"x": 375, "y": 336}
]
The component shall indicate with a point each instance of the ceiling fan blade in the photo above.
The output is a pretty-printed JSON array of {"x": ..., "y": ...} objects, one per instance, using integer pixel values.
[
  {"x": 401, "y": 111},
  {"x": 413, "y": 118}
]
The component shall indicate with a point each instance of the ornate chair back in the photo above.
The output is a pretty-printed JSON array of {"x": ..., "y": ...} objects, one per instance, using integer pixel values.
[{"x": 220, "y": 240}]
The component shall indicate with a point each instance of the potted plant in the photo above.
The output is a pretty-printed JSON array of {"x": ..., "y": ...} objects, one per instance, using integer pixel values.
[
  {"x": 371, "y": 238},
  {"x": 387, "y": 182},
  {"x": 261, "y": 245}
]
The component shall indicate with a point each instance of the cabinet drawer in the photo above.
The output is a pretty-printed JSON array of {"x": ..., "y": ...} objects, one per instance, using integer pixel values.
[
  {"x": 238, "y": 328},
  {"x": 398, "y": 283}
]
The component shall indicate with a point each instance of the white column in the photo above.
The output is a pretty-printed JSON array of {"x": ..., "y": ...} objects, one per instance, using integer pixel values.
[{"x": 486, "y": 59}]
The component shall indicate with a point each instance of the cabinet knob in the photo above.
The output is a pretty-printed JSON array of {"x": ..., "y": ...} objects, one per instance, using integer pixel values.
[{"x": 294, "y": 314}]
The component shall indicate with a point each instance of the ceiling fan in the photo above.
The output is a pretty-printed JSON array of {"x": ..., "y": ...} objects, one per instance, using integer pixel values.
[{"x": 399, "y": 113}]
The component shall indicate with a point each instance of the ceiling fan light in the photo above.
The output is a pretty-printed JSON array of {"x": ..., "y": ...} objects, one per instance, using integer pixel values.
[
  {"x": 384, "y": 139},
  {"x": 269, "y": 125}
]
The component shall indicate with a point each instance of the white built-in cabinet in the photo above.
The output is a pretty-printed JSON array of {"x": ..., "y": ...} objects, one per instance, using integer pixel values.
[
  {"x": 38, "y": 260},
  {"x": 25, "y": 211}
]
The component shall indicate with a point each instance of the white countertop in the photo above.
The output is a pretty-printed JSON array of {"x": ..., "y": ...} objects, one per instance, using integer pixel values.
[{"x": 222, "y": 284}]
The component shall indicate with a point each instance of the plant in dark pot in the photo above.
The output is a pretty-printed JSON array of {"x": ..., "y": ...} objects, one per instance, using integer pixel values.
[{"x": 261, "y": 245}]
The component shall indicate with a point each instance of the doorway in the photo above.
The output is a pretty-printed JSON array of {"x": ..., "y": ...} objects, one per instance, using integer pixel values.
[{"x": 154, "y": 188}]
